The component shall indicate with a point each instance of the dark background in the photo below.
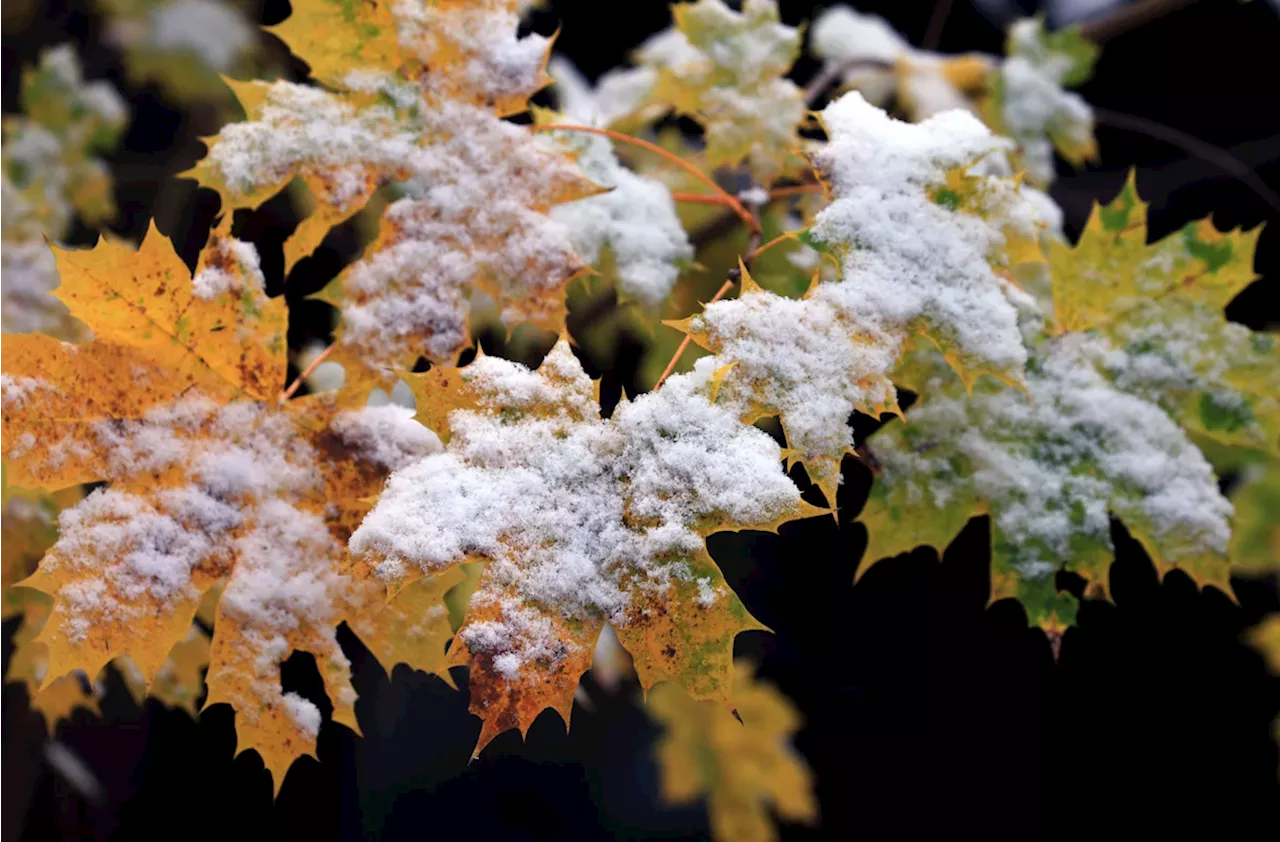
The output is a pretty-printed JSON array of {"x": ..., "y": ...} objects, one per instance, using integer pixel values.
[{"x": 926, "y": 712}]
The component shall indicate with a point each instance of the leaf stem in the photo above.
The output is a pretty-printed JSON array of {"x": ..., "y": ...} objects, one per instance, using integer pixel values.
[
  {"x": 833, "y": 71},
  {"x": 762, "y": 249},
  {"x": 725, "y": 197},
  {"x": 735, "y": 275},
  {"x": 306, "y": 372},
  {"x": 937, "y": 23},
  {"x": 794, "y": 190},
  {"x": 1129, "y": 17},
  {"x": 699, "y": 198}
]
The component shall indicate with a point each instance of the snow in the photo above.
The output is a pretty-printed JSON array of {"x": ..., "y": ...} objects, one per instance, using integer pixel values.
[
  {"x": 386, "y": 435},
  {"x": 575, "y": 514},
  {"x": 211, "y": 281},
  {"x": 16, "y": 389},
  {"x": 51, "y": 173},
  {"x": 303, "y": 713},
  {"x": 213, "y": 31},
  {"x": 908, "y": 260},
  {"x": 635, "y": 220},
  {"x": 1055, "y": 462},
  {"x": 841, "y": 34},
  {"x": 803, "y": 359},
  {"x": 481, "y": 36},
  {"x": 477, "y": 187}
]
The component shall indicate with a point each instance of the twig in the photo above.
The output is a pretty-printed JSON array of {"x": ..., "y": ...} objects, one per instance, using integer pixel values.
[
  {"x": 698, "y": 198},
  {"x": 937, "y": 22},
  {"x": 306, "y": 372},
  {"x": 727, "y": 199},
  {"x": 1192, "y": 145},
  {"x": 794, "y": 190},
  {"x": 1129, "y": 17},
  {"x": 831, "y": 72},
  {"x": 762, "y": 249},
  {"x": 735, "y": 275}
]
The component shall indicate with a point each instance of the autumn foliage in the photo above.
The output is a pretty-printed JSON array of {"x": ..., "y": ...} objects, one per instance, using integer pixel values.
[{"x": 178, "y": 505}]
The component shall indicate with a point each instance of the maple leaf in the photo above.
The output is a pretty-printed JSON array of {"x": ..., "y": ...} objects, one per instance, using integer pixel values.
[
  {"x": 419, "y": 89},
  {"x": 581, "y": 521},
  {"x": 743, "y": 768},
  {"x": 910, "y": 246},
  {"x": 1255, "y": 540},
  {"x": 631, "y": 234},
  {"x": 815, "y": 360},
  {"x": 179, "y": 45},
  {"x": 463, "y": 50},
  {"x": 1160, "y": 306},
  {"x": 726, "y": 69},
  {"x": 1048, "y": 466},
  {"x": 51, "y": 174},
  {"x": 209, "y": 477},
  {"x": 806, "y": 361},
  {"x": 1029, "y": 104}
]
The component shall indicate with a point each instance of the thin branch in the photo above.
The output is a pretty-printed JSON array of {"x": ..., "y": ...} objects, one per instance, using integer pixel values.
[
  {"x": 1192, "y": 145},
  {"x": 728, "y": 199},
  {"x": 762, "y": 249},
  {"x": 306, "y": 372},
  {"x": 698, "y": 198},
  {"x": 735, "y": 275},
  {"x": 1129, "y": 17},
  {"x": 937, "y": 22},
  {"x": 794, "y": 190},
  {"x": 830, "y": 73}
]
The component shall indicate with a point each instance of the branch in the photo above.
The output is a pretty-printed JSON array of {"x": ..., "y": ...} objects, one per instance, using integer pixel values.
[
  {"x": 735, "y": 275},
  {"x": 1192, "y": 145},
  {"x": 1129, "y": 17},
  {"x": 306, "y": 372},
  {"x": 937, "y": 22},
  {"x": 725, "y": 197},
  {"x": 830, "y": 73}
]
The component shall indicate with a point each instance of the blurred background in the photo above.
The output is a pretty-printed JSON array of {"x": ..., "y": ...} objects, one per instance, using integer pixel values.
[{"x": 924, "y": 711}]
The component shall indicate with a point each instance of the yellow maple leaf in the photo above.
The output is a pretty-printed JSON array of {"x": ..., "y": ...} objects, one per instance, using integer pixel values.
[
  {"x": 205, "y": 484},
  {"x": 727, "y": 69},
  {"x": 581, "y": 521},
  {"x": 743, "y": 768},
  {"x": 830, "y": 368}
]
